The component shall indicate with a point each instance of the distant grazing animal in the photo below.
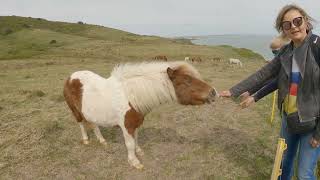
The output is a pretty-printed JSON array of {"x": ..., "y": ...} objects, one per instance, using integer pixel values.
[
  {"x": 187, "y": 58},
  {"x": 196, "y": 59},
  {"x": 235, "y": 61},
  {"x": 161, "y": 57},
  {"x": 130, "y": 93},
  {"x": 216, "y": 59}
]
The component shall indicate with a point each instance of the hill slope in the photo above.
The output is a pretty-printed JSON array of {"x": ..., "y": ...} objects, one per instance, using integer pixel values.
[{"x": 35, "y": 37}]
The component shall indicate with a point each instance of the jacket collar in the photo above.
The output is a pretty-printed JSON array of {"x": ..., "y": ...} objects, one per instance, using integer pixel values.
[{"x": 299, "y": 53}]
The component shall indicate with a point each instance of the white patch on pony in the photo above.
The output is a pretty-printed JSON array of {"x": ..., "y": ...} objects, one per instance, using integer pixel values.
[
  {"x": 103, "y": 100},
  {"x": 147, "y": 85}
]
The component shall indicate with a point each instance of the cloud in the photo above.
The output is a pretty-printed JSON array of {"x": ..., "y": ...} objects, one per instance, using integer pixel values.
[{"x": 165, "y": 17}]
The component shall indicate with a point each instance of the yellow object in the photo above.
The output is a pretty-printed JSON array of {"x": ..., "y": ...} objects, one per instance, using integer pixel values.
[
  {"x": 276, "y": 171},
  {"x": 273, "y": 107}
]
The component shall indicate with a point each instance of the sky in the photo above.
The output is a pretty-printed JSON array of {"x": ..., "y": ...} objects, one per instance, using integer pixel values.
[{"x": 168, "y": 18}]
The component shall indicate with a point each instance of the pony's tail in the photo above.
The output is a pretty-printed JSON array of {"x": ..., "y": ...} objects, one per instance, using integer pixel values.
[{"x": 73, "y": 96}]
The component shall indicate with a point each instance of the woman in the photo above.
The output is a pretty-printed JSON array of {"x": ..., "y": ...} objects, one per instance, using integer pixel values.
[
  {"x": 296, "y": 68},
  {"x": 255, "y": 94}
]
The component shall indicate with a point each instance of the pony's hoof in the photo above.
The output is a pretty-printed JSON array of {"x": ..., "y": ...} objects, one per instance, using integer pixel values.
[
  {"x": 139, "y": 166},
  {"x": 136, "y": 163},
  {"x": 139, "y": 152},
  {"x": 85, "y": 141},
  {"x": 104, "y": 143}
]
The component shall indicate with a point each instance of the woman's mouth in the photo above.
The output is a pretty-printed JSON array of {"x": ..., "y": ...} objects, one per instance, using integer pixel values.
[{"x": 295, "y": 32}]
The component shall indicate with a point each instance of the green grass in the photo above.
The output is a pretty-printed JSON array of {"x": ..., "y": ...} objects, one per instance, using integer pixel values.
[
  {"x": 32, "y": 42},
  {"x": 31, "y": 37}
]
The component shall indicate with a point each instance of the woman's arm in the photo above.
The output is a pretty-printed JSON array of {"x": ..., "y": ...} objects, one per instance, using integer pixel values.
[
  {"x": 271, "y": 86},
  {"x": 257, "y": 79},
  {"x": 316, "y": 51},
  {"x": 267, "y": 89},
  {"x": 256, "y": 89}
]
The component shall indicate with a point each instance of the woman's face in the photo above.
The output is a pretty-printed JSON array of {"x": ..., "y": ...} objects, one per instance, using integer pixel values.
[{"x": 294, "y": 26}]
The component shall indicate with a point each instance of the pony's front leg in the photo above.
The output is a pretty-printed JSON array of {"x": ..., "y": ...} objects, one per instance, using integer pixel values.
[
  {"x": 85, "y": 139},
  {"x": 138, "y": 149},
  {"x": 99, "y": 135},
  {"x": 130, "y": 143}
]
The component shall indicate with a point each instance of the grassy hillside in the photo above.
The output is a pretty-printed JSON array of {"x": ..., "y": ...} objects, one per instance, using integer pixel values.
[
  {"x": 41, "y": 140},
  {"x": 34, "y": 37}
]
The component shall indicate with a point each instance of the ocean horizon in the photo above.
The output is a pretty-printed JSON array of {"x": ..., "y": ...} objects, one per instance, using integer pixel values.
[{"x": 257, "y": 43}]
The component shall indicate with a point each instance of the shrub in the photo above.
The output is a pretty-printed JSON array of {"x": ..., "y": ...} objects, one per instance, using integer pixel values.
[
  {"x": 7, "y": 31},
  {"x": 53, "y": 41},
  {"x": 26, "y": 26}
]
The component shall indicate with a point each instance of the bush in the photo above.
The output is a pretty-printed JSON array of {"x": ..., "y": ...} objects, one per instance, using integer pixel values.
[
  {"x": 26, "y": 26},
  {"x": 53, "y": 41},
  {"x": 80, "y": 22},
  {"x": 7, "y": 31}
]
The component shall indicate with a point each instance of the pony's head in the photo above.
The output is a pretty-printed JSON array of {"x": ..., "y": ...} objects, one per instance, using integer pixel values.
[
  {"x": 190, "y": 90},
  {"x": 148, "y": 85}
]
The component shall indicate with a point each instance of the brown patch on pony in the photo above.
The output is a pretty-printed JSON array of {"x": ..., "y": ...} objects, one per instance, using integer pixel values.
[
  {"x": 184, "y": 70},
  {"x": 73, "y": 95},
  {"x": 189, "y": 89},
  {"x": 133, "y": 120}
]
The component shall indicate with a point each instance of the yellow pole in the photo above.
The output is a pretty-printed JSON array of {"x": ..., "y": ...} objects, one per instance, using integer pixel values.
[
  {"x": 273, "y": 107},
  {"x": 276, "y": 171}
]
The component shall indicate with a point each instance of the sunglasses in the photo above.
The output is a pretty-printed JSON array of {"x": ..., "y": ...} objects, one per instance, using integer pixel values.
[{"x": 286, "y": 25}]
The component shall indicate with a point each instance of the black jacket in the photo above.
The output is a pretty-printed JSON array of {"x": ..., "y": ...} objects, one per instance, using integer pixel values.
[{"x": 308, "y": 97}]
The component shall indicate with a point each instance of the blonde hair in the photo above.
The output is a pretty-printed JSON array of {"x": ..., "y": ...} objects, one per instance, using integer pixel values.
[
  {"x": 279, "y": 41},
  {"x": 289, "y": 7}
]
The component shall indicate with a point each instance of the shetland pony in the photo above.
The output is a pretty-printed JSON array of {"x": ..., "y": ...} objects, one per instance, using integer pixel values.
[
  {"x": 129, "y": 94},
  {"x": 235, "y": 61},
  {"x": 196, "y": 59}
]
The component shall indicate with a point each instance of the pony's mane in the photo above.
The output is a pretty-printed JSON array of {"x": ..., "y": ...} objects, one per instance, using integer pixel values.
[{"x": 147, "y": 84}]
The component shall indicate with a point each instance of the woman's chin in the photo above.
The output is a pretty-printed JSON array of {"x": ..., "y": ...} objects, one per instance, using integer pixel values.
[{"x": 297, "y": 38}]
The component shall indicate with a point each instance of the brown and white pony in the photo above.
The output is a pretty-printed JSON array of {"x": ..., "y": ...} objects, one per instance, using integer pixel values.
[
  {"x": 161, "y": 57},
  {"x": 129, "y": 94},
  {"x": 196, "y": 59}
]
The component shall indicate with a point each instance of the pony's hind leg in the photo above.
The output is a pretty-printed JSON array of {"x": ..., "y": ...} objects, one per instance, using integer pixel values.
[
  {"x": 138, "y": 149},
  {"x": 85, "y": 139},
  {"x": 130, "y": 143},
  {"x": 99, "y": 135}
]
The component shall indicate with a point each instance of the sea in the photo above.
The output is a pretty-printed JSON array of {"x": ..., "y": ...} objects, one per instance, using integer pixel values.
[{"x": 257, "y": 43}]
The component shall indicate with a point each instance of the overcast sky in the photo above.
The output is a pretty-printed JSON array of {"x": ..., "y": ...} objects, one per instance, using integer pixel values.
[{"x": 164, "y": 17}]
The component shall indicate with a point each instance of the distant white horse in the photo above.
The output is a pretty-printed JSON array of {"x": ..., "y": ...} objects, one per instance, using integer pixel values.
[
  {"x": 129, "y": 94},
  {"x": 235, "y": 61},
  {"x": 187, "y": 58}
]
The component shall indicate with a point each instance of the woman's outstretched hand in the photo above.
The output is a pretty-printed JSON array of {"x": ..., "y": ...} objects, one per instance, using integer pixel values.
[
  {"x": 226, "y": 93},
  {"x": 244, "y": 96},
  {"x": 247, "y": 102}
]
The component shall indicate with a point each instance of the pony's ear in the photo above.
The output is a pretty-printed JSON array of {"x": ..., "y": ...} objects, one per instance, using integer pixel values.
[{"x": 170, "y": 73}]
